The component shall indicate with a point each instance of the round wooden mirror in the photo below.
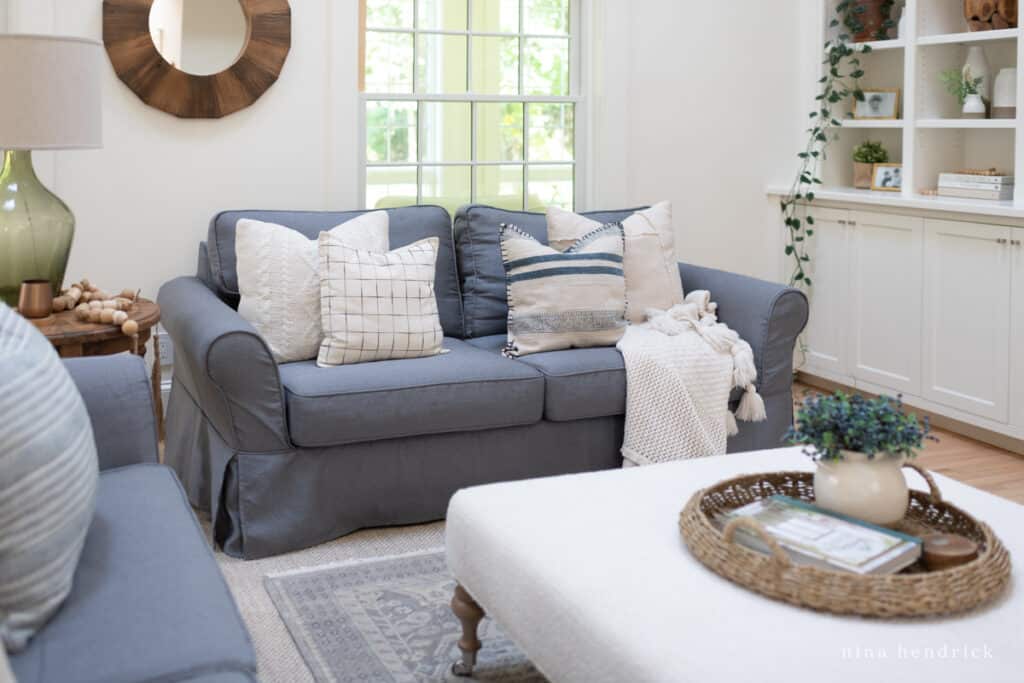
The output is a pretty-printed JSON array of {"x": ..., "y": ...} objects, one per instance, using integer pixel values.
[{"x": 197, "y": 58}]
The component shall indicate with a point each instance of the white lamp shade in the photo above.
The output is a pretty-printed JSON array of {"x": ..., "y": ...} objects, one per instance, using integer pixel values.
[{"x": 49, "y": 92}]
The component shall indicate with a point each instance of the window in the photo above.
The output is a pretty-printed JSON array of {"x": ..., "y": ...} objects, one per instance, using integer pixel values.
[{"x": 471, "y": 100}]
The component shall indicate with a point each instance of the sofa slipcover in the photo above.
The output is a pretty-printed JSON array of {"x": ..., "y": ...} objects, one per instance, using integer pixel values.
[{"x": 462, "y": 390}]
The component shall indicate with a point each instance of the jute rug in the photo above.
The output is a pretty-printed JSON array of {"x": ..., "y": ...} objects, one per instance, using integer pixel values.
[{"x": 386, "y": 619}]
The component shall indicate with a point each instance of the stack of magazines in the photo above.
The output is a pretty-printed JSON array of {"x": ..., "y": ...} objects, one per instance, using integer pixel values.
[
  {"x": 971, "y": 186},
  {"x": 815, "y": 536}
]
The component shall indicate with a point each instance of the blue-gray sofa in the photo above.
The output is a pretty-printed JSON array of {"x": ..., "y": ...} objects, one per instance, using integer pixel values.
[
  {"x": 148, "y": 602},
  {"x": 289, "y": 456}
]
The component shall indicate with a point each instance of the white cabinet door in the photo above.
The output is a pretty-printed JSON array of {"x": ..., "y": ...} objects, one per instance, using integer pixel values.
[
  {"x": 828, "y": 269},
  {"x": 1017, "y": 332},
  {"x": 886, "y": 288},
  {"x": 967, "y": 317}
]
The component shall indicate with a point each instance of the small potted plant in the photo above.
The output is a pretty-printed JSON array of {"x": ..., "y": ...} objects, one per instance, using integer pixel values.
[
  {"x": 860, "y": 446},
  {"x": 965, "y": 88},
  {"x": 865, "y": 156}
]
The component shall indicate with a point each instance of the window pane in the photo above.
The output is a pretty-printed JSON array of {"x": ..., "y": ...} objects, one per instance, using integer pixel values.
[
  {"x": 496, "y": 16},
  {"x": 550, "y": 185},
  {"x": 388, "y": 62},
  {"x": 389, "y": 13},
  {"x": 496, "y": 66},
  {"x": 499, "y": 131},
  {"x": 547, "y": 66},
  {"x": 390, "y": 186},
  {"x": 442, "y": 15},
  {"x": 551, "y": 132},
  {"x": 500, "y": 186},
  {"x": 441, "y": 64},
  {"x": 445, "y": 131},
  {"x": 391, "y": 131},
  {"x": 447, "y": 186},
  {"x": 546, "y": 16}
]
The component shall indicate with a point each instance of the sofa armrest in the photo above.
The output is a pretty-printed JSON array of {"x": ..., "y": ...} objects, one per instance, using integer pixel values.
[
  {"x": 225, "y": 365},
  {"x": 118, "y": 399},
  {"x": 768, "y": 316}
]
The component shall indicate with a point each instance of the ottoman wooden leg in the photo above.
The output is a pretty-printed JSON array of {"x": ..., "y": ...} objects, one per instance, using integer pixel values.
[{"x": 469, "y": 614}]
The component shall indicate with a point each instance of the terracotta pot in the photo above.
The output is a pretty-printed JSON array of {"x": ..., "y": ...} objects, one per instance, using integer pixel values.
[
  {"x": 872, "y": 18},
  {"x": 862, "y": 173},
  {"x": 870, "y": 489}
]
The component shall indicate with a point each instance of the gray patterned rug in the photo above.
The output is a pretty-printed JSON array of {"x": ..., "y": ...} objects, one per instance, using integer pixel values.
[{"x": 387, "y": 619}]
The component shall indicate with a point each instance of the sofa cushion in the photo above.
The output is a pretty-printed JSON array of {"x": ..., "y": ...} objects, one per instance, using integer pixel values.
[
  {"x": 148, "y": 601},
  {"x": 465, "y": 389},
  {"x": 578, "y": 383},
  {"x": 406, "y": 225},
  {"x": 481, "y": 273}
]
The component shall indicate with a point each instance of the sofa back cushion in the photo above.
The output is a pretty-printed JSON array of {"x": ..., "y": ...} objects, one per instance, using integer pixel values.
[
  {"x": 481, "y": 272},
  {"x": 407, "y": 225}
]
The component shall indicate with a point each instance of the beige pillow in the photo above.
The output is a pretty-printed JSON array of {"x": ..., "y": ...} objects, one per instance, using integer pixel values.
[
  {"x": 279, "y": 280},
  {"x": 652, "y": 274},
  {"x": 562, "y": 300},
  {"x": 377, "y": 306}
]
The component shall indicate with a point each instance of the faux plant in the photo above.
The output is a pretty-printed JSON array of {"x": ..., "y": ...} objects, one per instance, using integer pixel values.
[
  {"x": 828, "y": 425},
  {"x": 840, "y": 82},
  {"x": 869, "y": 152},
  {"x": 960, "y": 84}
]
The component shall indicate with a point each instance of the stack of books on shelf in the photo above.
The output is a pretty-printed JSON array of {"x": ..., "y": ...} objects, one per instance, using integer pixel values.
[{"x": 975, "y": 186}]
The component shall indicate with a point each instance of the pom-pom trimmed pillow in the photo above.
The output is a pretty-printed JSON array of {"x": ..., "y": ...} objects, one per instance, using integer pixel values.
[
  {"x": 652, "y": 274},
  {"x": 279, "y": 280},
  {"x": 48, "y": 479},
  {"x": 377, "y": 306},
  {"x": 562, "y": 300}
]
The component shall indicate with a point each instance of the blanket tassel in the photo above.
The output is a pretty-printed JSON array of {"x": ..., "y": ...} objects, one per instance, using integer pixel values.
[
  {"x": 751, "y": 408},
  {"x": 731, "y": 428}
]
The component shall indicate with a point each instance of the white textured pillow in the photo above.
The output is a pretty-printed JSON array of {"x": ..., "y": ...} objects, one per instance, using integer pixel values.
[
  {"x": 652, "y": 274},
  {"x": 376, "y": 306},
  {"x": 279, "y": 281},
  {"x": 48, "y": 478}
]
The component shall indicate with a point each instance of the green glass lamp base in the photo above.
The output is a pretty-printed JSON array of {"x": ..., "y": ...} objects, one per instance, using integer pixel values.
[{"x": 36, "y": 229}]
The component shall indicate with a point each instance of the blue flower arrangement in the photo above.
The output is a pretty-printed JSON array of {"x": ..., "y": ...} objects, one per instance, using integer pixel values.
[{"x": 828, "y": 425}]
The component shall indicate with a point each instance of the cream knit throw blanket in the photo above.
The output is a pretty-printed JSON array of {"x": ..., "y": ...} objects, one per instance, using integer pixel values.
[{"x": 681, "y": 366}]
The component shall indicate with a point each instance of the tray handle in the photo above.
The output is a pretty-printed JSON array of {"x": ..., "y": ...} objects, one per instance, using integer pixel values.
[
  {"x": 779, "y": 555},
  {"x": 933, "y": 488}
]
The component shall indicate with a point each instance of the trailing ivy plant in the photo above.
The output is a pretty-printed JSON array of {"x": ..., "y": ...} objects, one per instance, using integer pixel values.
[{"x": 841, "y": 81}]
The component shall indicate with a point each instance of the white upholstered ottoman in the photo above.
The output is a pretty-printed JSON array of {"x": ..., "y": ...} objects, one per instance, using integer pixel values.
[{"x": 588, "y": 574}]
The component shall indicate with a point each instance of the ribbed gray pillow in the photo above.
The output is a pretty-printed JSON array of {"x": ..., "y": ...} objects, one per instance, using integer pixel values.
[{"x": 48, "y": 478}]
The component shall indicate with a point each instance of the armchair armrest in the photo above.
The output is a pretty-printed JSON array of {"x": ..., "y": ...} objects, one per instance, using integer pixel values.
[
  {"x": 225, "y": 365},
  {"x": 118, "y": 399},
  {"x": 768, "y": 316}
]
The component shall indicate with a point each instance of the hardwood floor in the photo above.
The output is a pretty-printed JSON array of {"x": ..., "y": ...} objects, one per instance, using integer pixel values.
[{"x": 972, "y": 462}]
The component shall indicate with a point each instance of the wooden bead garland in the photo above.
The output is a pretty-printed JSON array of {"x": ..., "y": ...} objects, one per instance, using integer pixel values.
[{"x": 92, "y": 304}]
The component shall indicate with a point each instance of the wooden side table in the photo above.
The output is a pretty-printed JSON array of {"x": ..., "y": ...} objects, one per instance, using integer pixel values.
[{"x": 74, "y": 338}]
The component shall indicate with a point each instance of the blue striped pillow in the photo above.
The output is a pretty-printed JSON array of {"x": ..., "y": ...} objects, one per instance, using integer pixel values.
[{"x": 562, "y": 300}]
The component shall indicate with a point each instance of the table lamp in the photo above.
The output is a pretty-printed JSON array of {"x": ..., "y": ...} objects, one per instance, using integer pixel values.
[{"x": 50, "y": 93}]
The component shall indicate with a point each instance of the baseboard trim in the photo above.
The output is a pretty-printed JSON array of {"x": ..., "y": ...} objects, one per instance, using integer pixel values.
[{"x": 1007, "y": 443}]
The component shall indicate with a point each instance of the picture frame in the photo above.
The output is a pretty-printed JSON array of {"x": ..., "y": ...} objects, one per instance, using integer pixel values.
[
  {"x": 878, "y": 103},
  {"x": 887, "y": 177}
]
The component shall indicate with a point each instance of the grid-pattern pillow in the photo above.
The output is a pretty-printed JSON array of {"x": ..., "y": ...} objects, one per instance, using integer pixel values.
[
  {"x": 377, "y": 306},
  {"x": 561, "y": 300}
]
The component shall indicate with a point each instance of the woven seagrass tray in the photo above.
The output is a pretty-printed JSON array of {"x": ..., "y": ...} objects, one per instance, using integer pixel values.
[{"x": 914, "y": 592}]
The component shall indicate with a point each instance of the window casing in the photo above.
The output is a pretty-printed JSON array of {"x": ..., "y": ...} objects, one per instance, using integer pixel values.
[{"x": 472, "y": 101}]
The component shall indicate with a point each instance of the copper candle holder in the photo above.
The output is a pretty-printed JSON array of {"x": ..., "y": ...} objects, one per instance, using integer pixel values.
[{"x": 35, "y": 300}]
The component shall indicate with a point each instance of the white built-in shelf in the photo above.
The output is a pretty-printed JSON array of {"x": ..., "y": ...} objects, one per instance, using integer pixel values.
[
  {"x": 872, "y": 123},
  {"x": 967, "y": 123},
  {"x": 850, "y": 195},
  {"x": 968, "y": 37},
  {"x": 876, "y": 45}
]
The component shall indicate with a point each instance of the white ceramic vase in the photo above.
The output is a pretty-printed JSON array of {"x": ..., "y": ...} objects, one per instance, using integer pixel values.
[
  {"x": 976, "y": 66},
  {"x": 974, "y": 107},
  {"x": 1004, "y": 94},
  {"x": 870, "y": 489}
]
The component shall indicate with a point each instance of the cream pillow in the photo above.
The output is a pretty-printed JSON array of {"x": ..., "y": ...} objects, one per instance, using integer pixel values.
[
  {"x": 562, "y": 300},
  {"x": 377, "y": 306},
  {"x": 279, "y": 280},
  {"x": 652, "y": 274}
]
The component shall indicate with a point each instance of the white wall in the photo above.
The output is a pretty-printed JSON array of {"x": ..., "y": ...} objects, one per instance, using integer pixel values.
[{"x": 696, "y": 110}]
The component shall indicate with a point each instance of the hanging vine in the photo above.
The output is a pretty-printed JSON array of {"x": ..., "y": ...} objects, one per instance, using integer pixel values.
[{"x": 840, "y": 82}]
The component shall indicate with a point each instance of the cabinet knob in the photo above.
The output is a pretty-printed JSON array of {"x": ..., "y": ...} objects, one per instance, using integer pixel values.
[
  {"x": 1001, "y": 240},
  {"x": 841, "y": 222},
  {"x": 853, "y": 223},
  {"x": 1015, "y": 243}
]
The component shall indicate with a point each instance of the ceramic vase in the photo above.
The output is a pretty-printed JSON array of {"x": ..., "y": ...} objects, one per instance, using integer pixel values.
[
  {"x": 870, "y": 489},
  {"x": 974, "y": 107},
  {"x": 1004, "y": 94},
  {"x": 976, "y": 66}
]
